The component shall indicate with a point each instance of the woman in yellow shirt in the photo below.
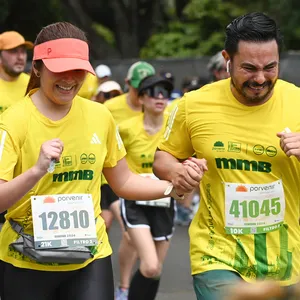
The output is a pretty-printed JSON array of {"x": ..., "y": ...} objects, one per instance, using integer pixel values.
[
  {"x": 54, "y": 146},
  {"x": 150, "y": 225}
]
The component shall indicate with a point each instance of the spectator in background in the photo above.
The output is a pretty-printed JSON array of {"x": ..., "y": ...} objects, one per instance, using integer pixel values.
[
  {"x": 107, "y": 90},
  {"x": 169, "y": 76},
  {"x": 192, "y": 83},
  {"x": 149, "y": 225},
  {"x": 103, "y": 73},
  {"x": 13, "y": 57},
  {"x": 91, "y": 83},
  {"x": 189, "y": 84},
  {"x": 128, "y": 105},
  {"x": 13, "y": 80},
  {"x": 123, "y": 108},
  {"x": 89, "y": 87},
  {"x": 217, "y": 67}
]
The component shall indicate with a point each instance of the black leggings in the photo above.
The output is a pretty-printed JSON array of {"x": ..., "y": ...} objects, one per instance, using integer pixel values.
[{"x": 95, "y": 281}]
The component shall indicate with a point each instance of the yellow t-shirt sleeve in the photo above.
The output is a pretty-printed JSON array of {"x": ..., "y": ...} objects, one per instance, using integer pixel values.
[
  {"x": 176, "y": 139},
  {"x": 114, "y": 143},
  {"x": 123, "y": 130},
  {"x": 8, "y": 155}
]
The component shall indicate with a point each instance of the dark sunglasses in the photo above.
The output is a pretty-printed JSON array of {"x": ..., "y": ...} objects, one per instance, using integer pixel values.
[
  {"x": 155, "y": 91},
  {"x": 111, "y": 94}
]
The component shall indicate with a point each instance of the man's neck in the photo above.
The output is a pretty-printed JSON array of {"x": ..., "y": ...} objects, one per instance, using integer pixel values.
[
  {"x": 132, "y": 104},
  {"x": 4, "y": 76}
]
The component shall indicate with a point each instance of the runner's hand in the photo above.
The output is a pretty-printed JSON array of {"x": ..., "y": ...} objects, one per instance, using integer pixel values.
[
  {"x": 188, "y": 175},
  {"x": 50, "y": 150},
  {"x": 290, "y": 143}
]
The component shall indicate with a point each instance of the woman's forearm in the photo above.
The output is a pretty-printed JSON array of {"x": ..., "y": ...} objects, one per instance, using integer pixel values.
[
  {"x": 137, "y": 187},
  {"x": 12, "y": 191}
]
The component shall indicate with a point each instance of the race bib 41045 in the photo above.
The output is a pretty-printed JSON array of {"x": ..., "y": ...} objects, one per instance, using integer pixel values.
[{"x": 253, "y": 208}]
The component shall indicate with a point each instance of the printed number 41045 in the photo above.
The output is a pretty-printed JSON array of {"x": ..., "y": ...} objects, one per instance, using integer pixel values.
[{"x": 254, "y": 208}]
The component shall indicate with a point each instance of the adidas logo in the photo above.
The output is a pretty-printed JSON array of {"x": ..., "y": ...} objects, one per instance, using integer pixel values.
[{"x": 95, "y": 139}]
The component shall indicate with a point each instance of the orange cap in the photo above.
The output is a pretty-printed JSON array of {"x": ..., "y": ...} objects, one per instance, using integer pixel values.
[
  {"x": 12, "y": 39},
  {"x": 63, "y": 55}
]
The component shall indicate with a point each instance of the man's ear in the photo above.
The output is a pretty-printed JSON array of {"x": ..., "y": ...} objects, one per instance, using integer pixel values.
[{"x": 227, "y": 59}]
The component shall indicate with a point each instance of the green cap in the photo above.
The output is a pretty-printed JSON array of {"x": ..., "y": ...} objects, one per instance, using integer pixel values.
[{"x": 138, "y": 71}]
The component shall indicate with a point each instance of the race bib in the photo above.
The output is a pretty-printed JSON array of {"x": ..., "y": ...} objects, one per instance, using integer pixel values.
[
  {"x": 163, "y": 202},
  {"x": 254, "y": 208},
  {"x": 63, "y": 220}
]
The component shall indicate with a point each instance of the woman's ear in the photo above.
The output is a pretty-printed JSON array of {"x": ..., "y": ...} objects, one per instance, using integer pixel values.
[
  {"x": 35, "y": 70},
  {"x": 141, "y": 99}
]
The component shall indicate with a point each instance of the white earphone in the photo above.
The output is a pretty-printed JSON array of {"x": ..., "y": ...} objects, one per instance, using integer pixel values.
[{"x": 227, "y": 66}]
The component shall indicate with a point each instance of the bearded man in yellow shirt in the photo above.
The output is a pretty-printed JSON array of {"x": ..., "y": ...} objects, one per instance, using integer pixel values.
[
  {"x": 13, "y": 57},
  {"x": 247, "y": 127},
  {"x": 13, "y": 80}
]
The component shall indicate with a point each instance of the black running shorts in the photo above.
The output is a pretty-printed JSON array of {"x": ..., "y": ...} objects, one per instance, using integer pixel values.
[
  {"x": 107, "y": 196},
  {"x": 160, "y": 220}
]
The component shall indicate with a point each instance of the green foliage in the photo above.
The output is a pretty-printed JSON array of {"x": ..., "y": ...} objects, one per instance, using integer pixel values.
[
  {"x": 107, "y": 34},
  {"x": 179, "y": 38},
  {"x": 202, "y": 31}
]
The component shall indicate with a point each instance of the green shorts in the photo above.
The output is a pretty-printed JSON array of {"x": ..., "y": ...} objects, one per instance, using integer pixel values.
[{"x": 212, "y": 285}]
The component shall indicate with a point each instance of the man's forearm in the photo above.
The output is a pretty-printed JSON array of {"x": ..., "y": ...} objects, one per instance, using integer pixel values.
[{"x": 164, "y": 164}]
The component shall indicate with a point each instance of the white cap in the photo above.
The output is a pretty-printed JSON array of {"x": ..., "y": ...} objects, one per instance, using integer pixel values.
[
  {"x": 103, "y": 71},
  {"x": 109, "y": 86}
]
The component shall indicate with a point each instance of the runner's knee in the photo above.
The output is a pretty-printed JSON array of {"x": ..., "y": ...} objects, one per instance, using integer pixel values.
[{"x": 150, "y": 269}]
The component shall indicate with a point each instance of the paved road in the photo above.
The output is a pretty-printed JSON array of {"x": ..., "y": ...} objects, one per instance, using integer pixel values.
[{"x": 176, "y": 282}]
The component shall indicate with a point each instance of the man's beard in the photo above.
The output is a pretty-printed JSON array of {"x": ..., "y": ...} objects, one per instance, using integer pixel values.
[
  {"x": 11, "y": 72},
  {"x": 255, "y": 99}
]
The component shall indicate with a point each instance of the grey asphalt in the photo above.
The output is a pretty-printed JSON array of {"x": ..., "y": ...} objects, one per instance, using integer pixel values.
[{"x": 176, "y": 281}]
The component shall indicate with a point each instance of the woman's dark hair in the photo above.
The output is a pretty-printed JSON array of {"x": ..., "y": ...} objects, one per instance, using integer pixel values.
[
  {"x": 51, "y": 32},
  {"x": 253, "y": 27}
]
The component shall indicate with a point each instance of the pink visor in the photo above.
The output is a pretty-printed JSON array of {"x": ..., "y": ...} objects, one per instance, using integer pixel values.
[{"x": 63, "y": 55}]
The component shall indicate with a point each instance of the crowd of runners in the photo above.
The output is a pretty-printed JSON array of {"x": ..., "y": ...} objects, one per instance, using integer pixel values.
[{"x": 78, "y": 150}]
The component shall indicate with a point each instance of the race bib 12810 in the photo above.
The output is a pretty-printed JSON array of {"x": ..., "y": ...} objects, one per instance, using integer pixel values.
[{"x": 63, "y": 220}]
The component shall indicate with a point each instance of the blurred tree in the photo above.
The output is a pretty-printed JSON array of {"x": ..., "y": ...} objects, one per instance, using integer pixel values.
[
  {"x": 198, "y": 28},
  {"x": 199, "y": 31},
  {"x": 28, "y": 17},
  {"x": 115, "y": 28},
  {"x": 77, "y": 14},
  {"x": 149, "y": 28},
  {"x": 131, "y": 23}
]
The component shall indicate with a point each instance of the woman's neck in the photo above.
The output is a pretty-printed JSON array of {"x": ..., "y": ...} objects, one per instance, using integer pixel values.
[
  {"x": 153, "y": 123},
  {"x": 48, "y": 108}
]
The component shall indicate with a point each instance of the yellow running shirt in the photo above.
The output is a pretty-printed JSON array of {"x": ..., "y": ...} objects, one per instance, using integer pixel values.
[
  {"x": 89, "y": 87},
  {"x": 91, "y": 142},
  {"x": 172, "y": 105},
  {"x": 248, "y": 219},
  {"x": 121, "y": 111},
  {"x": 140, "y": 146},
  {"x": 12, "y": 91},
  {"x": 119, "y": 108}
]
